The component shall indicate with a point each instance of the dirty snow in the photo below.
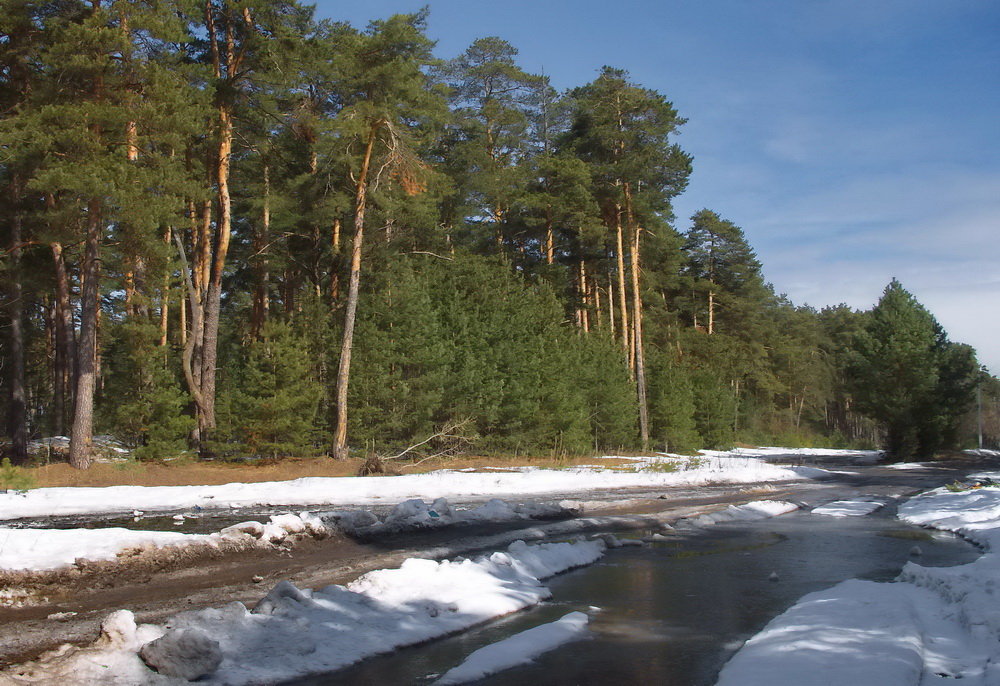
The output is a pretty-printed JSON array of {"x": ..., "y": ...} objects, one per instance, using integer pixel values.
[
  {"x": 293, "y": 632},
  {"x": 518, "y": 649},
  {"x": 759, "y": 509},
  {"x": 849, "y": 508},
  {"x": 649, "y": 472},
  {"x": 932, "y": 625},
  {"x": 45, "y": 549}
]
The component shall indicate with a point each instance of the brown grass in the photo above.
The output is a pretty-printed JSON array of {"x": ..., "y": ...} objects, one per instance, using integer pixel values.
[{"x": 193, "y": 473}]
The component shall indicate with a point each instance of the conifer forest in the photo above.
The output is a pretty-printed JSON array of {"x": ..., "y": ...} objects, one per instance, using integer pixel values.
[{"x": 231, "y": 229}]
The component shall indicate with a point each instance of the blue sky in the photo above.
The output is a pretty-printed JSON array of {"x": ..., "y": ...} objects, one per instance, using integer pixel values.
[{"x": 853, "y": 140}]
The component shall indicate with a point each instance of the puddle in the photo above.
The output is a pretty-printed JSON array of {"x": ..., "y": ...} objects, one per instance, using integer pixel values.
[{"x": 673, "y": 612}]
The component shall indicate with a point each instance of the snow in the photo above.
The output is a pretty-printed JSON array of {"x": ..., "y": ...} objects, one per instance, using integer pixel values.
[
  {"x": 45, "y": 549},
  {"x": 759, "y": 509},
  {"x": 293, "y": 632},
  {"x": 417, "y": 514},
  {"x": 647, "y": 472},
  {"x": 931, "y": 625},
  {"x": 38, "y": 549},
  {"x": 849, "y": 508},
  {"x": 518, "y": 649}
]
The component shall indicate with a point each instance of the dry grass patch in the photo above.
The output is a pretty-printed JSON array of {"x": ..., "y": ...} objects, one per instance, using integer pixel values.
[{"x": 194, "y": 473}]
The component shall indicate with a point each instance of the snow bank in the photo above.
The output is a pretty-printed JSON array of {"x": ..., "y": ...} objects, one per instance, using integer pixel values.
[
  {"x": 292, "y": 632},
  {"x": 416, "y": 514},
  {"x": 341, "y": 491},
  {"x": 752, "y": 511},
  {"x": 862, "y": 633},
  {"x": 45, "y": 549},
  {"x": 932, "y": 625},
  {"x": 849, "y": 508},
  {"x": 777, "y": 451},
  {"x": 982, "y": 452},
  {"x": 518, "y": 649},
  {"x": 38, "y": 549}
]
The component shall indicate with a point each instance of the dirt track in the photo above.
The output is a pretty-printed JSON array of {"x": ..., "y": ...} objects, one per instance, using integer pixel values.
[{"x": 156, "y": 586}]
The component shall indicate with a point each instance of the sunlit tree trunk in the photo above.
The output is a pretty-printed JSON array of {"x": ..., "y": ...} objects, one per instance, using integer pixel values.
[
  {"x": 81, "y": 437},
  {"x": 350, "y": 314}
]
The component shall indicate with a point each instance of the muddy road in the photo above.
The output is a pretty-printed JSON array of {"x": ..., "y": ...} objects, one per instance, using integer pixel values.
[{"x": 68, "y": 606}]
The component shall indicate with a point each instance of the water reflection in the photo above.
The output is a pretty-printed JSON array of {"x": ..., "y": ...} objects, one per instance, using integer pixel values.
[{"x": 672, "y": 613}]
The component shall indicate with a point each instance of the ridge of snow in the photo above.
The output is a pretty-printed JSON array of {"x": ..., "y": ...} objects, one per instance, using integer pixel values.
[
  {"x": 931, "y": 625},
  {"x": 46, "y": 549},
  {"x": 652, "y": 472},
  {"x": 293, "y": 632},
  {"x": 849, "y": 508},
  {"x": 519, "y": 649}
]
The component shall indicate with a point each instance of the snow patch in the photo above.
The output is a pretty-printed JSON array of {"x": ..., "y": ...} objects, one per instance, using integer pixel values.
[
  {"x": 518, "y": 649},
  {"x": 292, "y": 632},
  {"x": 849, "y": 508},
  {"x": 45, "y": 549},
  {"x": 651, "y": 472},
  {"x": 932, "y": 625}
]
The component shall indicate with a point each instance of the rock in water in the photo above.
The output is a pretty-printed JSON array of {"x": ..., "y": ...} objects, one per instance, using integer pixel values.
[
  {"x": 185, "y": 653},
  {"x": 773, "y": 577},
  {"x": 915, "y": 551}
]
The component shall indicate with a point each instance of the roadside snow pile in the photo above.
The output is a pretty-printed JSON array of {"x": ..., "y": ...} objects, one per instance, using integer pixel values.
[
  {"x": 293, "y": 632},
  {"x": 982, "y": 452},
  {"x": 46, "y": 549},
  {"x": 347, "y": 491},
  {"x": 853, "y": 456},
  {"x": 759, "y": 509},
  {"x": 849, "y": 508},
  {"x": 862, "y": 633},
  {"x": 519, "y": 649},
  {"x": 417, "y": 514},
  {"x": 932, "y": 625},
  {"x": 973, "y": 513}
]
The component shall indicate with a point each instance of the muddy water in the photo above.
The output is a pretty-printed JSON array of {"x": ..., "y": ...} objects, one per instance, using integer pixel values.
[{"x": 673, "y": 612}]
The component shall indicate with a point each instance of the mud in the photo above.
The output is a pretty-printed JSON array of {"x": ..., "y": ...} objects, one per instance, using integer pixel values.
[{"x": 68, "y": 606}]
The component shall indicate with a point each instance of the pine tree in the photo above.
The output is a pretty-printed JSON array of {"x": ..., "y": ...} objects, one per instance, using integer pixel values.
[
  {"x": 143, "y": 404},
  {"x": 389, "y": 84},
  {"x": 623, "y": 132},
  {"x": 492, "y": 98},
  {"x": 274, "y": 397},
  {"x": 909, "y": 377},
  {"x": 672, "y": 406}
]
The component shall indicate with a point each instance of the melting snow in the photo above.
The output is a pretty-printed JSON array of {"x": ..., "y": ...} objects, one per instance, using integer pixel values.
[
  {"x": 518, "y": 649},
  {"x": 292, "y": 632},
  {"x": 932, "y": 625},
  {"x": 650, "y": 472},
  {"x": 849, "y": 508}
]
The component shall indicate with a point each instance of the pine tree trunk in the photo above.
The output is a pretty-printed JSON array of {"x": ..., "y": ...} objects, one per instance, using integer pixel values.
[
  {"x": 597, "y": 302},
  {"x": 584, "y": 304},
  {"x": 611, "y": 306},
  {"x": 213, "y": 299},
  {"x": 640, "y": 359},
  {"x": 334, "y": 268},
  {"x": 81, "y": 437},
  {"x": 165, "y": 295},
  {"x": 711, "y": 312},
  {"x": 622, "y": 298},
  {"x": 187, "y": 359},
  {"x": 550, "y": 242},
  {"x": 261, "y": 263},
  {"x": 65, "y": 356},
  {"x": 17, "y": 408},
  {"x": 344, "y": 370}
]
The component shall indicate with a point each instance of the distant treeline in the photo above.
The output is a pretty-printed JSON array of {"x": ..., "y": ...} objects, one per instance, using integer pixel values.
[{"x": 229, "y": 227}]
